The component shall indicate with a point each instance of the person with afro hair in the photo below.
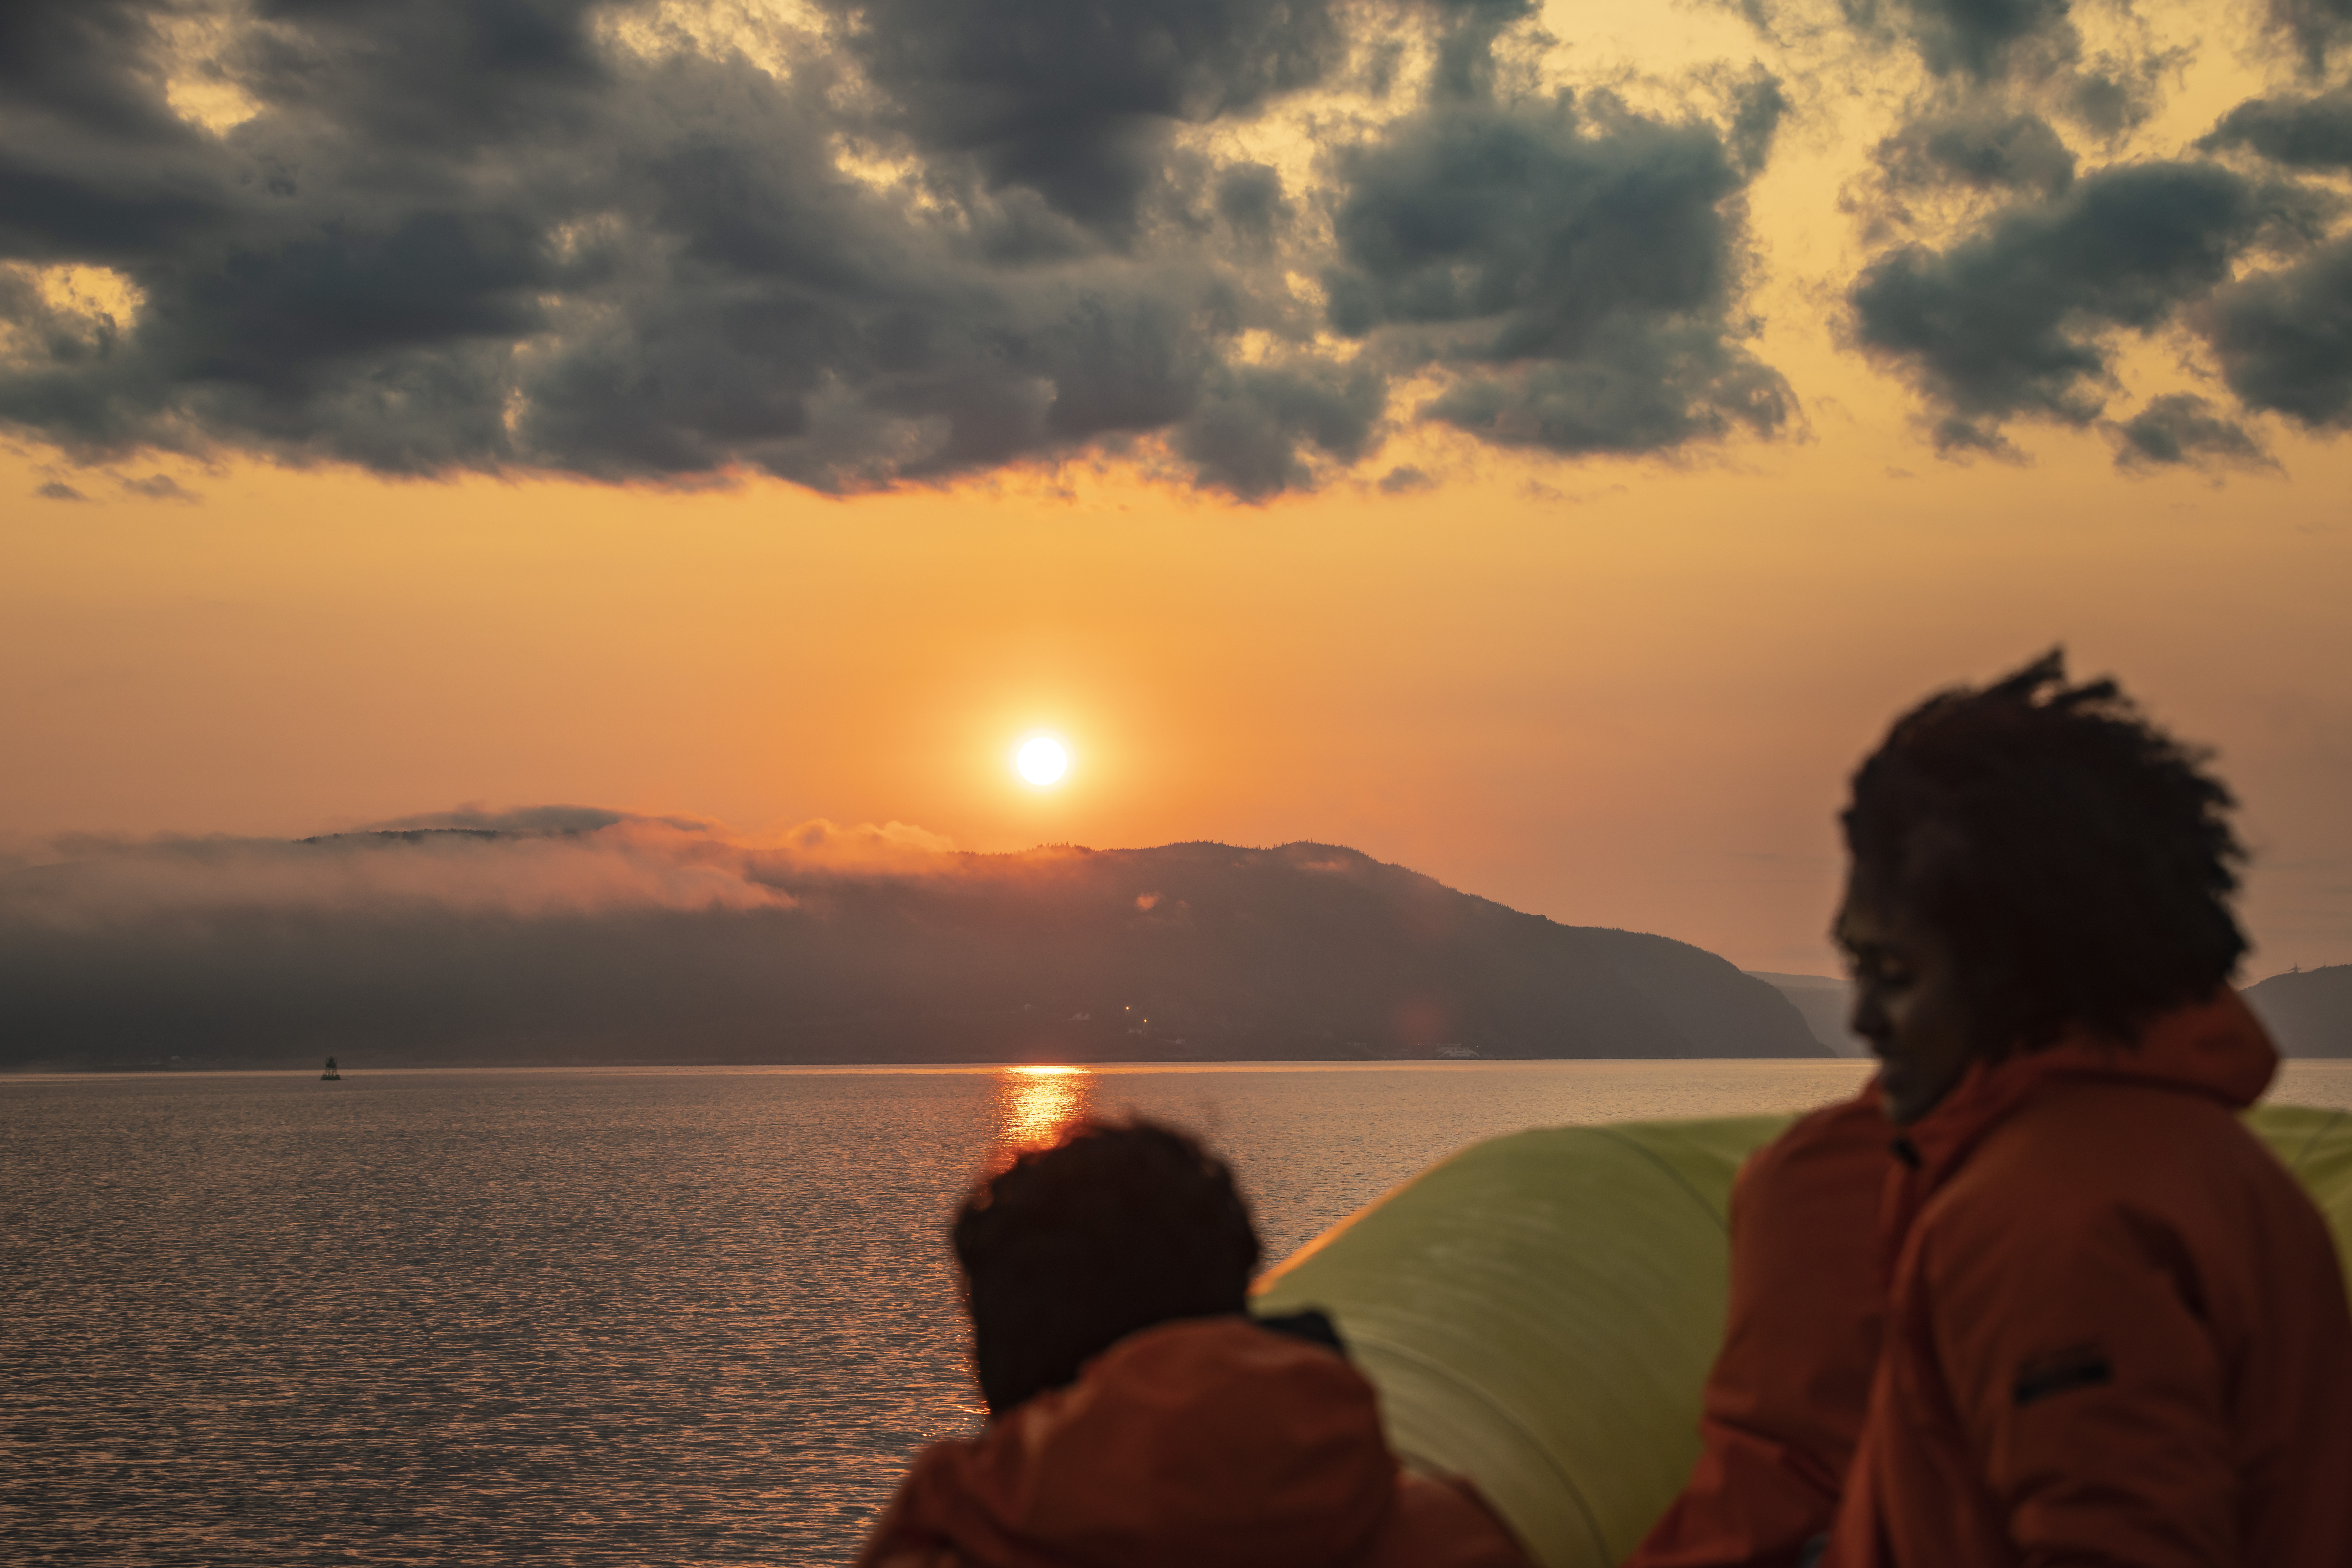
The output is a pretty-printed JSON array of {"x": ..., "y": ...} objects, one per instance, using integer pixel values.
[
  {"x": 2116, "y": 1326},
  {"x": 2117, "y": 1332}
]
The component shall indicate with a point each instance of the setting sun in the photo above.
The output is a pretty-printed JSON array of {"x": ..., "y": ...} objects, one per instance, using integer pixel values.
[
  {"x": 1043, "y": 761},
  {"x": 1047, "y": 683}
]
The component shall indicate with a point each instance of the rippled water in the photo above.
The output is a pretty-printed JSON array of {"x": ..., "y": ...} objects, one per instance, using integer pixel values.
[{"x": 589, "y": 1317}]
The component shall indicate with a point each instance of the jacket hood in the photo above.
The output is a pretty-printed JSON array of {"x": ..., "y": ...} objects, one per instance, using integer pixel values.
[
  {"x": 1206, "y": 1441},
  {"x": 2216, "y": 1048}
]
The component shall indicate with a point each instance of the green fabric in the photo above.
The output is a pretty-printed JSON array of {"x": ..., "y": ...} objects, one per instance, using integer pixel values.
[
  {"x": 2316, "y": 1145},
  {"x": 1539, "y": 1311}
]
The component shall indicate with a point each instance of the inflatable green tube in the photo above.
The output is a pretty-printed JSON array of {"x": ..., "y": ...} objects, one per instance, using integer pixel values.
[{"x": 1539, "y": 1310}]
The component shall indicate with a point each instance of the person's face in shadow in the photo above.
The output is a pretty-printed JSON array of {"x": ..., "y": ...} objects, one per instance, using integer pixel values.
[{"x": 1907, "y": 1000}]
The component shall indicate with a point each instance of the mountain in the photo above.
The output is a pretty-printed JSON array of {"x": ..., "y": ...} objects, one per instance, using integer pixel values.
[
  {"x": 262, "y": 954},
  {"x": 1824, "y": 1004},
  {"x": 2308, "y": 1011}
]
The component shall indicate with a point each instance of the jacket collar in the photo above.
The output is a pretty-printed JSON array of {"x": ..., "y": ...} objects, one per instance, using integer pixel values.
[
  {"x": 1205, "y": 1440},
  {"x": 2215, "y": 1047}
]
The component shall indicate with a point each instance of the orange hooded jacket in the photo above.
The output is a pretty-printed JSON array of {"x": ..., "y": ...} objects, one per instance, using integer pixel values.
[
  {"x": 1785, "y": 1400},
  {"x": 2118, "y": 1330},
  {"x": 1205, "y": 1441}
]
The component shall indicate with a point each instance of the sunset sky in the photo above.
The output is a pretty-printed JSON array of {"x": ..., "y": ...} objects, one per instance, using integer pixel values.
[{"x": 1542, "y": 448}]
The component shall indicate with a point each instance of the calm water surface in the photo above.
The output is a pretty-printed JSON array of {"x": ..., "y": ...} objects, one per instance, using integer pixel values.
[{"x": 617, "y": 1317}]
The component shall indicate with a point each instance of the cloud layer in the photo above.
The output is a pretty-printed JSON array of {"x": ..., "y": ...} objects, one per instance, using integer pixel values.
[
  {"x": 1238, "y": 243},
  {"x": 2017, "y": 319},
  {"x": 546, "y": 862},
  {"x": 2028, "y": 242},
  {"x": 885, "y": 241}
]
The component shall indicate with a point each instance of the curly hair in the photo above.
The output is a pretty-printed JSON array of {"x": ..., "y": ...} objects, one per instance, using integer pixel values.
[
  {"x": 1117, "y": 1227},
  {"x": 2079, "y": 860}
]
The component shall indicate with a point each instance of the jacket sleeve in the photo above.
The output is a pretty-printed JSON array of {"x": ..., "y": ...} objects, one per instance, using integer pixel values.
[
  {"x": 897, "y": 1538},
  {"x": 1441, "y": 1521},
  {"x": 1784, "y": 1401},
  {"x": 2088, "y": 1389}
]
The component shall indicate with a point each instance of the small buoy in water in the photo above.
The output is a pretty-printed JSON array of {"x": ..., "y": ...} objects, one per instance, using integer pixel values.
[{"x": 331, "y": 1075}]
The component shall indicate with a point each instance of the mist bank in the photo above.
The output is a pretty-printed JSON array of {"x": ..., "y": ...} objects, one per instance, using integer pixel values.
[{"x": 574, "y": 936}]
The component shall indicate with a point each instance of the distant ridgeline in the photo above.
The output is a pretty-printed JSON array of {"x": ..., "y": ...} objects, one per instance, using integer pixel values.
[
  {"x": 2309, "y": 1011},
  {"x": 1185, "y": 952}
]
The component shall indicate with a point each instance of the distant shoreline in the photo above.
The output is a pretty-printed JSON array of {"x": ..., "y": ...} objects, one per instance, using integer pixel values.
[{"x": 1133, "y": 1064}]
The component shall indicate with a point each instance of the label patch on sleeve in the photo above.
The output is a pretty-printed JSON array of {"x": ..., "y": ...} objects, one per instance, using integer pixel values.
[{"x": 2077, "y": 1366}]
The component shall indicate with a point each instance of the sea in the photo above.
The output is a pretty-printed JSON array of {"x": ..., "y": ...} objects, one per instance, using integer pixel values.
[{"x": 623, "y": 1316}]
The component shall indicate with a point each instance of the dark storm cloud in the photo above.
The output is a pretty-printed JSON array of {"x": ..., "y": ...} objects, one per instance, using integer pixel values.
[
  {"x": 1982, "y": 149},
  {"x": 1248, "y": 432},
  {"x": 924, "y": 240},
  {"x": 1977, "y": 38},
  {"x": 1573, "y": 265},
  {"x": 2312, "y": 26},
  {"x": 459, "y": 237},
  {"x": 2023, "y": 311},
  {"x": 2300, "y": 134},
  {"x": 2015, "y": 319},
  {"x": 2117, "y": 95},
  {"x": 2284, "y": 338},
  {"x": 2183, "y": 429},
  {"x": 1073, "y": 99},
  {"x": 1249, "y": 197},
  {"x": 1633, "y": 388},
  {"x": 1758, "y": 105},
  {"x": 2001, "y": 77}
]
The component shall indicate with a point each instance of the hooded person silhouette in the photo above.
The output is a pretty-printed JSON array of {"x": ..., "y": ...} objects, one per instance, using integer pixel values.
[{"x": 1138, "y": 1417}]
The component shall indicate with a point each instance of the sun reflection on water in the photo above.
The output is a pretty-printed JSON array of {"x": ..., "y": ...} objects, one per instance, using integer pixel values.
[{"x": 1036, "y": 1104}]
